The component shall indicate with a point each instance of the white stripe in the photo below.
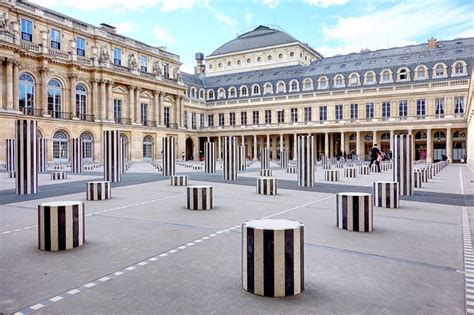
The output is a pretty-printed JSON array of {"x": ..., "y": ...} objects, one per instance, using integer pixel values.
[
  {"x": 56, "y": 298},
  {"x": 73, "y": 291},
  {"x": 37, "y": 306},
  {"x": 89, "y": 285}
]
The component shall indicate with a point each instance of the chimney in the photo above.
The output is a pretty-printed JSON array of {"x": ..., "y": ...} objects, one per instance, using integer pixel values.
[
  {"x": 200, "y": 69},
  {"x": 109, "y": 28},
  {"x": 432, "y": 43}
]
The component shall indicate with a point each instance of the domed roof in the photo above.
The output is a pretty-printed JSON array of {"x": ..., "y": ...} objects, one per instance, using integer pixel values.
[{"x": 262, "y": 36}]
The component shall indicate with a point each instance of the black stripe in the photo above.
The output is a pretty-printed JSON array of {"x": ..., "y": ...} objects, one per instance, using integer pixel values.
[
  {"x": 75, "y": 225},
  {"x": 268, "y": 263},
  {"x": 366, "y": 213},
  {"x": 355, "y": 213},
  {"x": 289, "y": 263},
  {"x": 302, "y": 258},
  {"x": 62, "y": 227},
  {"x": 83, "y": 206},
  {"x": 395, "y": 195},
  {"x": 204, "y": 199},
  {"x": 188, "y": 203},
  {"x": 250, "y": 260},
  {"x": 39, "y": 227},
  {"x": 344, "y": 212},
  {"x": 47, "y": 228}
]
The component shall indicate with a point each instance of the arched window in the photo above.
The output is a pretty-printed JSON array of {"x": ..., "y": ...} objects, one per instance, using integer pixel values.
[
  {"x": 385, "y": 136},
  {"x": 439, "y": 135},
  {"x": 268, "y": 89},
  {"x": 81, "y": 97},
  {"x": 201, "y": 94},
  {"x": 459, "y": 69},
  {"x": 294, "y": 86},
  {"x": 370, "y": 78},
  {"x": 369, "y": 137},
  {"x": 439, "y": 70},
  {"x": 420, "y": 135},
  {"x": 60, "y": 147},
  {"x": 421, "y": 73},
  {"x": 193, "y": 92},
  {"x": 403, "y": 75},
  {"x": 221, "y": 93},
  {"x": 354, "y": 79},
  {"x": 256, "y": 90},
  {"x": 26, "y": 97},
  {"x": 281, "y": 88},
  {"x": 147, "y": 148},
  {"x": 352, "y": 137},
  {"x": 459, "y": 134},
  {"x": 323, "y": 83},
  {"x": 386, "y": 77},
  {"x": 232, "y": 92},
  {"x": 339, "y": 81},
  {"x": 55, "y": 98},
  {"x": 210, "y": 94},
  {"x": 308, "y": 85},
  {"x": 87, "y": 147},
  {"x": 243, "y": 91}
]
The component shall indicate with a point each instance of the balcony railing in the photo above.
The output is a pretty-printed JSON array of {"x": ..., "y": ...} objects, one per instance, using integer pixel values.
[
  {"x": 60, "y": 115},
  {"x": 149, "y": 123},
  {"x": 172, "y": 126},
  {"x": 36, "y": 112},
  {"x": 85, "y": 117},
  {"x": 123, "y": 121}
]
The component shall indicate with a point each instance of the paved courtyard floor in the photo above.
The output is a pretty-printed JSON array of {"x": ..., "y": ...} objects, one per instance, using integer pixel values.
[{"x": 145, "y": 253}]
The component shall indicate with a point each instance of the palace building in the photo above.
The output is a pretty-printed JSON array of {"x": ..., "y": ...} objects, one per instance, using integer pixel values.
[{"x": 265, "y": 87}]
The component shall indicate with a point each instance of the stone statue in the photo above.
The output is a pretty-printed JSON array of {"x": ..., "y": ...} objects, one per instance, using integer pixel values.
[
  {"x": 104, "y": 55},
  {"x": 177, "y": 74},
  {"x": 132, "y": 62},
  {"x": 157, "y": 68},
  {"x": 3, "y": 21}
]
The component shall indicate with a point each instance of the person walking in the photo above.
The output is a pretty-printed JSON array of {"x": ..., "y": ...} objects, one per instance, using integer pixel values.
[{"x": 375, "y": 156}]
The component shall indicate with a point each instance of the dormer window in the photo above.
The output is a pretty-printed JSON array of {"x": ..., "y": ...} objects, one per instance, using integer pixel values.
[
  {"x": 221, "y": 93},
  {"x": 211, "y": 95},
  {"x": 256, "y": 90},
  {"x": 369, "y": 78},
  {"x": 281, "y": 87},
  {"x": 232, "y": 92},
  {"x": 386, "y": 77},
  {"x": 421, "y": 73},
  {"x": 459, "y": 69},
  {"x": 403, "y": 75},
  {"x": 243, "y": 91},
  {"x": 294, "y": 86},
  {"x": 354, "y": 79},
  {"x": 268, "y": 89},
  {"x": 339, "y": 81}
]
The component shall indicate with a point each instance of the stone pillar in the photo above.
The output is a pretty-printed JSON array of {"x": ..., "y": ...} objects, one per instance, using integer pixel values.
[
  {"x": 294, "y": 146},
  {"x": 264, "y": 158},
  {"x": 326, "y": 144},
  {"x": 403, "y": 164},
  {"x": 255, "y": 147},
  {"x": 169, "y": 156},
  {"x": 156, "y": 107},
  {"x": 16, "y": 94},
  {"x": 230, "y": 158},
  {"x": 124, "y": 145},
  {"x": 305, "y": 161},
  {"x": 331, "y": 145},
  {"x": 76, "y": 165},
  {"x": 343, "y": 143},
  {"x": 2, "y": 76},
  {"x": 354, "y": 211},
  {"x": 42, "y": 155},
  {"x": 26, "y": 157},
  {"x": 44, "y": 92},
  {"x": 9, "y": 84},
  {"x": 358, "y": 142},
  {"x": 72, "y": 96},
  {"x": 429, "y": 146},
  {"x": 103, "y": 102},
  {"x": 177, "y": 115},
  {"x": 95, "y": 100},
  {"x": 131, "y": 103},
  {"x": 449, "y": 144},
  {"x": 137, "y": 118},
  {"x": 242, "y": 161},
  {"x": 160, "y": 108},
  {"x": 112, "y": 155},
  {"x": 392, "y": 135},
  {"x": 10, "y": 155},
  {"x": 219, "y": 149},
  {"x": 268, "y": 143},
  {"x": 110, "y": 102},
  {"x": 209, "y": 157}
]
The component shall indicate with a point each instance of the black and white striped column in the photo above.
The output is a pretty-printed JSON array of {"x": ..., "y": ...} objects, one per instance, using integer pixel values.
[
  {"x": 386, "y": 194},
  {"x": 364, "y": 170},
  {"x": 273, "y": 257},
  {"x": 418, "y": 178},
  {"x": 61, "y": 225},
  {"x": 354, "y": 211},
  {"x": 266, "y": 185},
  {"x": 331, "y": 175},
  {"x": 200, "y": 197},
  {"x": 264, "y": 158},
  {"x": 284, "y": 157},
  {"x": 10, "y": 154},
  {"x": 98, "y": 190},
  {"x": 124, "y": 146},
  {"x": 112, "y": 153},
  {"x": 305, "y": 161},
  {"x": 179, "y": 180},
  {"x": 291, "y": 170},
  {"x": 169, "y": 156},
  {"x": 58, "y": 175},
  {"x": 242, "y": 159},
  {"x": 11, "y": 174},
  {"x": 42, "y": 155},
  {"x": 403, "y": 164},
  {"x": 76, "y": 165},
  {"x": 26, "y": 155},
  {"x": 229, "y": 158},
  {"x": 209, "y": 157},
  {"x": 265, "y": 172}
]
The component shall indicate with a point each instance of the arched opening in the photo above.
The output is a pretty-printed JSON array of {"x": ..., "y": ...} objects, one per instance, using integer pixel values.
[
  {"x": 87, "y": 147},
  {"x": 55, "y": 98},
  {"x": 81, "y": 97},
  {"x": 420, "y": 145},
  {"x": 189, "y": 149},
  {"x": 147, "y": 148},
  {"x": 459, "y": 146},
  {"x": 124, "y": 141},
  {"x": 439, "y": 145},
  {"x": 60, "y": 147},
  {"x": 26, "y": 91}
]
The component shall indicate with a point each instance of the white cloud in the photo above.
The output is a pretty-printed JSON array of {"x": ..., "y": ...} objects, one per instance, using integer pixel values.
[
  {"x": 326, "y": 3},
  {"x": 125, "y": 27},
  {"x": 171, "y": 5},
  {"x": 248, "y": 17},
  {"x": 272, "y": 4},
  {"x": 230, "y": 22},
  {"x": 187, "y": 68},
  {"x": 119, "y": 5},
  {"x": 163, "y": 35}
]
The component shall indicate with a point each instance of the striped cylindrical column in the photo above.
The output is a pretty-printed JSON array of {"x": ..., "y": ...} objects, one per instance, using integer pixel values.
[
  {"x": 284, "y": 159},
  {"x": 11, "y": 174},
  {"x": 61, "y": 225},
  {"x": 98, "y": 190},
  {"x": 418, "y": 175},
  {"x": 403, "y": 164},
  {"x": 179, "y": 180},
  {"x": 424, "y": 174},
  {"x": 430, "y": 172},
  {"x": 169, "y": 156},
  {"x": 241, "y": 157},
  {"x": 200, "y": 197},
  {"x": 26, "y": 155},
  {"x": 264, "y": 158},
  {"x": 291, "y": 170},
  {"x": 364, "y": 170},
  {"x": 331, "y": 175},
  {"x": 229, "y": 158},
  {"x": 10, "y": 154},
  {"x": 266, "y": 185},
  {"x": 112, "y": 153},
  {"x": 42, "y": 155},
  {"x": 209, "y": 157},
  {"x": 76, "y": 165},
  {"x": 265, "y": 172},
  {"x": 305, "y": 161},
  {"x": 124, "y": 151},
  {"x": 58, "y": 175},
  {"x": 354, "y": 211},
  {"x": 273, "y": 257},
  {"x": 386, "y": 194}
]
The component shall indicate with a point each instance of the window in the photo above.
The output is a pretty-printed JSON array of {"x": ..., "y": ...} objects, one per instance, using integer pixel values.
[
  {"x": 232, "y": 119},
  {"x": 166, "y": 71},
  {"x": 439, "y": 107},
  {"x": 117, "y": 56},
  {"x": 211, "y": 94},
  {"x": 220, "y": 93},
  {"x": 243, "y": 118},
  {"x": 459, "y": 106},
  {"x": 147, "y": 148},
  {"x": 281, "y": 116},
  {"x": 202, "y": 120},
  {"x": 143, "y": 63},
  {"x": 403, "y": 109},
  {"x": 243, "y": 91},
  {"x": 323, "y": 113},
  {"x": 294, "y": 115},
  {"x": 339, "y": 112},
  {"x": 339, "y": 81},
  {"x": 193, "y": 121},
  {"x": 256, "y": 90},
  {"x": 281, "y": 87},
  {"x": 255, "y": 117},
  {"x": 269, "y": 57},
  {"x": 144, "y": 113},
  {"x": 267, "y": 89},
  {"x": 385, "y": 110},
  {"x": 308, "y": 85},
  {"x": 185, "y": 119},
  {"x": 421, "y": 73},
  {"x": 60, "y": 146},
  {"x": 193, "y": 92},
  {"x": 81, "y": 97},
  {"x": 369, "y": 111},
  {"x": 439, "y": 71},
  {"x": 201, "y": 94},
  {"x": 117, "y": 110},
  {"x": 354, "y": 80},
  {"x": 26, "y": 30},
  {"x": 87, "y": 147},
  {"x": 210, "y": 120},
  {"x": 323, "y": 83},
  {"x": 229, "y": 64},
  {"x": 232, "y": 92},
  {"x": 354, "y": 111},
  {"x": 55, "y": 39},
  {"x": 80, "y": 46},
  {"x": 386, "y": 77},
  {"x": 420, "y": 108},
  {"x": 26, "y": 90},
  {"x": 166, "y": 116},
  {"x": 459, "y": 69},
  {"x": 370, "y": 78},
  {"x": 54, "y": 98},
  {"x": 268, "y": 116},
  {"x": 294, "y": 86},
  {"x": 308, "y": 114},
  {"x": 403, "y": 75},
  {"x": 221, "y": 119}
]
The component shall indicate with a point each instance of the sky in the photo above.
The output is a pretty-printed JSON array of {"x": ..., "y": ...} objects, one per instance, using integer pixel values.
[{"x": 329, "y": 26}]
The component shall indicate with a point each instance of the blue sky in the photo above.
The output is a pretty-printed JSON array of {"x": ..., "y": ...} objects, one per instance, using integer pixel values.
[{"x": 330, "y": 26}]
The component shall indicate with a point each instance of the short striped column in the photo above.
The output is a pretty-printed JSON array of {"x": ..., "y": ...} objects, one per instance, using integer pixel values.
[
  {"x": 354, "y": 211},
  {"x": 11, "y": 174},
  {"x": 417, "y": 176},
  {"x": 326, "y": 166},
  {"x": 429, "y": 167},
  {"x": 305, "y": 161},
  {"x": 229, "y": 158},
  {"x": 169, "y": 156},
  {"x": 264, "y": 158},
  {"x": 266, "y": 186},
  {"x": 284, "y": 157},
  {"x": 209, "y": 157},
  {"x": 200, "y": 197},
  {"x": 424, "y": 174},
  {"x": 76, "y": 165},
  {"x": 88, "y": 167},
  {"x": 403, "y": 164},
  {"x": 291, "y": 170},
  {"x": 350, "y": 172},
  {"x": 58, "y": 175},
  {"x": 273, "y": 257},
  {"x": 331, "y": 175},
  {"x": 364, "y": 170},
  {"x": 265, "y": 172},
  {"x": 26, "y": 157},
  {"x": 61, "y": 225},
  {"x": 98, "y": 190},
  {"x": 179, "y": 180},
  {"x": 10, "y": 154},
  {"x": 112, "y": 154},
  {"x": 386, "y": 194},
  {"x": 42, "y": 155},
  {"x": 241, "y": 158}
]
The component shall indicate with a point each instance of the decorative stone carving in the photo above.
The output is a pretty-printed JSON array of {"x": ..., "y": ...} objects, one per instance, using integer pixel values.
[
  {"x": 132, "y": 62},
  {"x": 157, "y": 68},
  {"x": 3, "y": 22},
  {"x": 177, "y": 74},
  {"x": 104, "y": 55}
]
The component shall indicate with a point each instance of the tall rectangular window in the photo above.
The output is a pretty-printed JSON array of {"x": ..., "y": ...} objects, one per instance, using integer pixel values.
[
  {"x": 459, "y": 106},
  {"x": 144, "y": 113},
  {"x": 268, "y": 116},
  {"x": 420, "y": 108},
  {"x": 55, "y": 39},
  {"x": 403, "y": 109},
  {"x": 385, "y": 110},
  {"x": 369, "y": 111},
  {"x": 308, "y": 114},
  {"x": 26, "y": 30},
  {"x": 166, "y": 116},
  {"x": 143, "y": 63},
  {"x": 80, "y": 46},
  {"x": 210, "y": 120},
  {"x": 339, "y": 112},
  {"x": 243, "y": 118},
  {"x": 202, "y": 120},
  {"x": 354, "y": 111},
  {"x": 323, "y": 113},
  {"x": 255, "y": 117},
  {"x": 281, "y": 116},
  {"x": 232, "y": 119},
  {"x": 439, "y": 107},
  {"x": 185, "y": 119},
  {"x": 166, "y": 70},
  {"x": 193, "y": 121},
  {"x": 294, "y": 115},
  {"x": 117, "y": 56},
  {"x": 221, "y": 120},
  {"x": 117, "y": 110}
]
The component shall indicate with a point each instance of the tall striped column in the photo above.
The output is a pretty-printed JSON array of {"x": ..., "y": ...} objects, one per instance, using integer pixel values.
[
  {"x": 10, "y": 154},
  {"x": 230, "y": 158},
  {"x": 209, "y": 157},
  {"x": 264, "y": 159},
  {"x": 42, "y": 155},
  {"x": 403, "y": 164},
  {"x": 124, "y": 146},
  {"x": 241, "y": 157},
  {"x": 76, "y": 165},
  {"x": 305, "y": 161},
  {"x": 26, "y": 164},
  {"x": 112, "y": 153},
  {"x": 169, "y": 156},
  {"x": 284, "y": 159}
]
